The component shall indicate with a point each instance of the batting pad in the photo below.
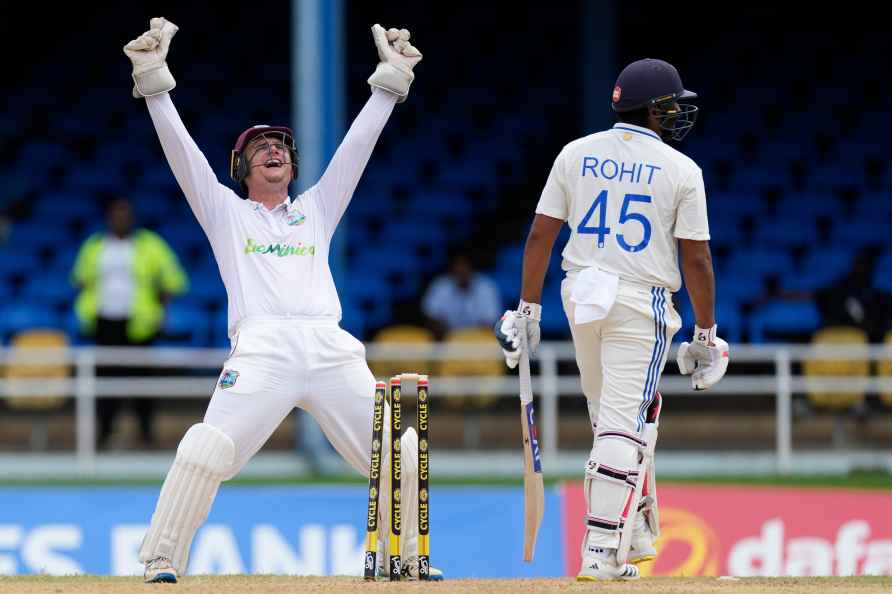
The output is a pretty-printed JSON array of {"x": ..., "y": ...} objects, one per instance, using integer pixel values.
[
  {"x": 203, "y": 458},
  {"x": 408, "y": 494},
  {"x": 610, "y": 476}
]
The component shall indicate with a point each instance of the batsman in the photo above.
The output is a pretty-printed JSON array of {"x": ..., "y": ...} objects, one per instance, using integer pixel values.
[
  {"x": 631, "y": 201},
  {"x": 288, "y": 349}
]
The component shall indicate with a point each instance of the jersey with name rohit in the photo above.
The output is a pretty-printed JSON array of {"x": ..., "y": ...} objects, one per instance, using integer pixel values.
[
  {"x": 274, "y": 263},
  {"x": 627, "y": 196}
]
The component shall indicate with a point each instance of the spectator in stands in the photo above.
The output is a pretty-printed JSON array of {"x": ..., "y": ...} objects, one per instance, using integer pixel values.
[
  {"x": 126, "y": 276},
  {"x": 463, "y": 298},
  {"x": 854, "y": 301}
]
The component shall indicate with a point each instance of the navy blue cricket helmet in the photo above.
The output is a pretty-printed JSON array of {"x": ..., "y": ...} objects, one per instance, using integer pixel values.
[{"x": 656, "y": 85}]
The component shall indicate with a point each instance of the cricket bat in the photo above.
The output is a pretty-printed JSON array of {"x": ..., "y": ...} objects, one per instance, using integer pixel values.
[{"x": 533, "y": 488}]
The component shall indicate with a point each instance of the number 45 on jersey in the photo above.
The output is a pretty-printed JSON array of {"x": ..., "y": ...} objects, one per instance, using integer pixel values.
[{"x": 600, "y": 205}]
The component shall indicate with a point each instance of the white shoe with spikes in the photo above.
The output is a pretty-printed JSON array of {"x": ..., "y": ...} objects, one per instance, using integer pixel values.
[
  {"x": 160, "y": 571},
  {"x": 600, "y": 564}
]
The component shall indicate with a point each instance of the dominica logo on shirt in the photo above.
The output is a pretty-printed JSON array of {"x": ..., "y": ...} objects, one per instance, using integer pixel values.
[{"x": 279, "y": 249}]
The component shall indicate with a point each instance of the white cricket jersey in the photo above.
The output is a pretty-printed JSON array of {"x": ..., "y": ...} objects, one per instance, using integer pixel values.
[
  {"x": 627, "y": 196},
  {"x": 274, "y": 263}
]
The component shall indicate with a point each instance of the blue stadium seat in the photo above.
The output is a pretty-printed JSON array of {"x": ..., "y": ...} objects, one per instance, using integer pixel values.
[
  {"x": 96, "y": 178},
  {"x": 65, "y": 205},
  {"x": 820, "y": 268},
  {"x": 794, "y": 205},
  {"x": 760, "y": 262},
  {"x": 725, "y": 230},
  {"x": 15, "y": 317},
  {"x": 780, "y": 319},
  {"x": 735, "y": 204},
  {"x": 206, "y": 288},
  {"x": 861, "y": 233},
  {"x": 42, "y": 152},
  {"x": 353, "y": 320},
  {"x": 875, "y": 206},
  {"x": 882, "y": 276},
  {"x": 469, "y": 174},
  {"x": 151, "y": 208},
  {"x": 219, "y": 329},
  {"x": 18, "y": 262},
  {"x": 836, "y": 175},
  {"x": 36, "y": 235},
  {"x": 739, "y": 289},
  {"x": 759, "y": 176},
  {"x": 184, "y": 325},
  {"x": 49, "y": 288},
  {"x": 158, "y": 174},
  {"x": 783, "y": 233},
  {"x": 727, "y": 316},
  {"x": 554, "y": 320}
]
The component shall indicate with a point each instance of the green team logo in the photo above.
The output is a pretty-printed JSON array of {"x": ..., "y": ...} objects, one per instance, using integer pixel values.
[{"x": 279, "y": 249}]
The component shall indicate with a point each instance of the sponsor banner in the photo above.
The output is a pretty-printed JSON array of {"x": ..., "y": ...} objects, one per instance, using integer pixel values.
[
  {"x": 299, "y": 530},
  {"x": 757, "y": 531}
]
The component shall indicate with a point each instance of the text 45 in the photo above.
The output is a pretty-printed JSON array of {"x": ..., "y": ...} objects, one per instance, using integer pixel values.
[{"x": 600, "y": 204}]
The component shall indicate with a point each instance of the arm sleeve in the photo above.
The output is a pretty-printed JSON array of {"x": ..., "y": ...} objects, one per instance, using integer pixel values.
[
  {"x": 336, "y": 186},
  {"x": 690, "y": 217},
  {"x": 189, "y": 165},
  {"x": 554, "y": 202}
]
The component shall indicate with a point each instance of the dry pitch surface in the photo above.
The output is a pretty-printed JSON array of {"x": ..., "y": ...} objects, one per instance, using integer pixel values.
[{"x": 265, "y": 584}]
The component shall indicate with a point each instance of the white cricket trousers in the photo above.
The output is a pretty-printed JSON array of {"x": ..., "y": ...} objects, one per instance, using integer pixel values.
[
  {"x": 278, "y": 364},
  {"x": 622, "y": 356}
]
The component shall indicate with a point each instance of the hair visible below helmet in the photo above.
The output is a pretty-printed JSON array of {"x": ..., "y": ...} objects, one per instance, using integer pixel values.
[
  {"x": 239, "y": 164},
  {"x": 656, "y": 86}
]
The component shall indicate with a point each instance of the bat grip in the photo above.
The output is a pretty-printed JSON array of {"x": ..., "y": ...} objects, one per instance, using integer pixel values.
[{"x": 526, "y": 382}]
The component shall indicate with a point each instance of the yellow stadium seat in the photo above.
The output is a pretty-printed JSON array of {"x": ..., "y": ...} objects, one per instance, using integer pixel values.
[
  {"x": 858, "y": 369},
  {"x": 884, "y": 369},
  {"x": 52, "y": 399},
  {"x": 477, "y": 366},
  {"x": 385, "y": 368}
]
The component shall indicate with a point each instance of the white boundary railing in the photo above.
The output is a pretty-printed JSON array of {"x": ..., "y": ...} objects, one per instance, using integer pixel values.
[{"x": 548, "y": 384}]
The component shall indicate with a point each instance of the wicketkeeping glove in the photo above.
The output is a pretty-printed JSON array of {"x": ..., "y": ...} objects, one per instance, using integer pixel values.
[
  {"x": 148, "y": 53},
  {"x": 398, "y": 57},
  {"x": 706, "y": 358},
  {"x": 508, "y": 327}
]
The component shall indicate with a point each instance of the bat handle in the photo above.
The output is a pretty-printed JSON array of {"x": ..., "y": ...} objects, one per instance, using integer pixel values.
[{"x": 526, "y": 382}]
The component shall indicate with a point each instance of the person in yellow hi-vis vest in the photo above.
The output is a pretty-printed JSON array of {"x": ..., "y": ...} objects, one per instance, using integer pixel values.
[{"x": 126, "y": 276}]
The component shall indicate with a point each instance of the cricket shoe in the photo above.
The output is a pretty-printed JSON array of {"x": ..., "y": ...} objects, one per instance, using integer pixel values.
[
  {"x": 600, "y": 564},
  {"x": 410, "y": 570},
  {"x": 160, "y": 571}
]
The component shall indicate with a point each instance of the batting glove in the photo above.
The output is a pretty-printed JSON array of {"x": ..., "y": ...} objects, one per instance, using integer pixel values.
[
  {"x": 398, "y": 57},
  {"x": 509, "y": 326},
  {"x": 148, "y": 53},
  {"x": 706, "y": 358}
]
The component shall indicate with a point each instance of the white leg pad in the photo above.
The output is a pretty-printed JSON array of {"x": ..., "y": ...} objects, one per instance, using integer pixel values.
[
  {"x": 408, "y": 495},
  {"x": 204, "y": 457},
  {"x": 610, "y": 475}
]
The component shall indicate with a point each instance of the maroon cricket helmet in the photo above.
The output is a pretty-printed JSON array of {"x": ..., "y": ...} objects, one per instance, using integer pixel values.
[{"x": 238, "y": 166}]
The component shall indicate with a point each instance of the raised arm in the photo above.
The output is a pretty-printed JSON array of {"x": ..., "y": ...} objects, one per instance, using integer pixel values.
[
  {"x": 390, "y": 85},
  {"x": 189, "y": 165},
  {"x": 335, "y": 187},
  {"x": 153, "y": 80}
]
